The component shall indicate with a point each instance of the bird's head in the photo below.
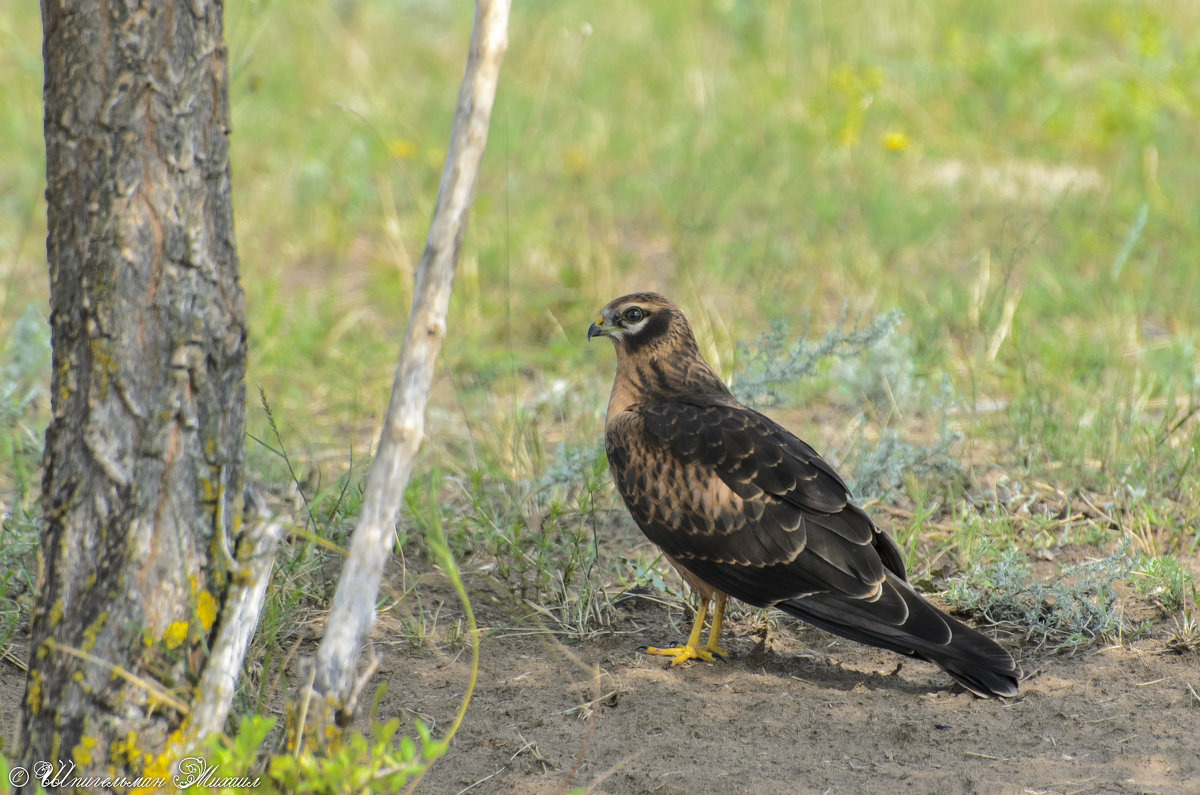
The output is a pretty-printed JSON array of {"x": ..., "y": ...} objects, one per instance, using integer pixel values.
[
  {"x": 640, "y": 321},
  {"x": 657, "y": 356}
]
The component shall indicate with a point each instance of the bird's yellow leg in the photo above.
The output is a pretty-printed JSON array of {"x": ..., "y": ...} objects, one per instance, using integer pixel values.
[
  {"x": 691, "y": 650},
  {"x": 714, "y": 631}
]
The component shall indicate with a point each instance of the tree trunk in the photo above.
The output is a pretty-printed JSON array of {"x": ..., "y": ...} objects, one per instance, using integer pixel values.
[{"x": 142, "y": 492}]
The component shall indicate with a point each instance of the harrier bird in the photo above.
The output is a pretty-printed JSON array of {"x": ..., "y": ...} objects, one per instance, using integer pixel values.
[{"x": 742, "y": 507}]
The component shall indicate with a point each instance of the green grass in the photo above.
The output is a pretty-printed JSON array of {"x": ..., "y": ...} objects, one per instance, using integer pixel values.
[
  {"x": 1016, "y": 179},
  {"x": 24, "y": 364}
]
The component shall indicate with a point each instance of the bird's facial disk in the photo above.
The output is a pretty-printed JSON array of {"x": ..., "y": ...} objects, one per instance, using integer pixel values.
[{"x": 619, "y": 322}]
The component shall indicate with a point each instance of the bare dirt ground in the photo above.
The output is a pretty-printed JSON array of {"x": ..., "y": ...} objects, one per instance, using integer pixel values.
[
  {"x": 801, "y": 712},
  {"x": 794, "y": 711}
]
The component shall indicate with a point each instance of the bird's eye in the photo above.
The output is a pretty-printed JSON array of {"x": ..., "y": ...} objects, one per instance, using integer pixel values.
[{"x": 634, "y": 314}]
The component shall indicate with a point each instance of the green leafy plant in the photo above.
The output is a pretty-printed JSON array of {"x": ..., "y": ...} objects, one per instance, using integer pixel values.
[
  {"x": 1164, "y": 579},
  {"x": 383, "y": 762}
]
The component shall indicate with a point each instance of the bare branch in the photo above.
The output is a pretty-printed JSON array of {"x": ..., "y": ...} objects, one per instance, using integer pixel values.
[
  {"x": 239, "y": 617},
  {"x": 353, "y": 611}
]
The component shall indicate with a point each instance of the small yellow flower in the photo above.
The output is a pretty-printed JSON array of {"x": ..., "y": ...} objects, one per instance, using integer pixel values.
[
  {"x": 575, "y": 160},
  {"x": 401, "y": 148},
  {"x": 894, "y": 141},
  {"x": 175, "y": 634}
]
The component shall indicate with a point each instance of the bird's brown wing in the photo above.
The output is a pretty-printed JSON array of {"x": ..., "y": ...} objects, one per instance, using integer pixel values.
[
  {"x": 752, "y": 510},
  {"x": 744, "y": 504}
]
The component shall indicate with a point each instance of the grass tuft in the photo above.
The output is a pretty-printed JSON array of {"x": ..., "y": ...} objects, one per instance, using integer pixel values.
[
  {"x": 1079, "y": 606},
  {"x": 24, "y": 409}
]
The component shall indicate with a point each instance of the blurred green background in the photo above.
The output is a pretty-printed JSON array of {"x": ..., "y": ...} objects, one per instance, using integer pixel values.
[{"x": 1019, "y": 178}]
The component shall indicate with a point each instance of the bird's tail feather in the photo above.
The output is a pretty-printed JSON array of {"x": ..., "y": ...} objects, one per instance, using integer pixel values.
[{"x": 974, "y": 660}]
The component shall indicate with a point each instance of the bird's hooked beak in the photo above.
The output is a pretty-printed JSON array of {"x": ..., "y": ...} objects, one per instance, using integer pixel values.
[{"x": 598, "y": 329}]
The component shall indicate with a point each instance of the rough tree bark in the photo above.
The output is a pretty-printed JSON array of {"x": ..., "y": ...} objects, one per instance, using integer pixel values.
[
  {"x": 142, "y": 491},
  {"x": 353, "y": 611}
]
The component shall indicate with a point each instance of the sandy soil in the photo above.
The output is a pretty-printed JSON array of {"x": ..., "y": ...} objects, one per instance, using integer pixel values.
[
  {"x": 798, "y": 711},
  {"x": 794, "y": 711}
]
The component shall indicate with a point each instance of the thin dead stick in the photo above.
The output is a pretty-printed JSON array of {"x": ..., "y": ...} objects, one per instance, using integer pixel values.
[
  {"x": 153, "y": 689},
  {"x": 353, "y": 612},
  {"x": 238, "y": 622}
]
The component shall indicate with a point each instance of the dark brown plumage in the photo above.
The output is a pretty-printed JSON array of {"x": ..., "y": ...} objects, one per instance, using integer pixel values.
[{"x": 743, "y": 507}]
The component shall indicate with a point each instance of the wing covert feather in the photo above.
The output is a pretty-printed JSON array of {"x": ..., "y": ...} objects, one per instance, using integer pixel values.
[{"x": 744, "y": 504}]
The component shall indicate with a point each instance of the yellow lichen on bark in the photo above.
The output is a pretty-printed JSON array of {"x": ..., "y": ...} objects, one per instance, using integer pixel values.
[
  {"x": 93, "y": 629},
  {"x": 124, "y": 749},
  {"x": 82, "y": 753},
  {"x": 160, "y": 765},
  {"x": 206, "y": 610},
  {"x": 33, "y": 693},
  {"x": 175, "y": 634}
]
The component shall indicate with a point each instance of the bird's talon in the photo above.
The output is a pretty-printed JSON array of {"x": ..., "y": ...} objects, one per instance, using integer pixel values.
[
  {"x": 681, "y": 654},
  {"x": 717, "y": 650}
]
